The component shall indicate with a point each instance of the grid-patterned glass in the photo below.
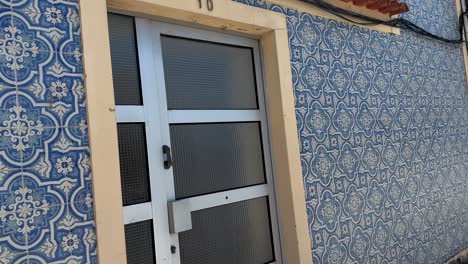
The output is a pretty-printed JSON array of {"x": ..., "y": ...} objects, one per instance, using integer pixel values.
[
  {"x": 139, "y": 242},
  {"x": 124, "y": 54},
  {"x": 133, "y": 163},
  {"x": 229, "y": 234},
  {"x": 206, "y": 75},
  {"x": 216, "y": 157}
]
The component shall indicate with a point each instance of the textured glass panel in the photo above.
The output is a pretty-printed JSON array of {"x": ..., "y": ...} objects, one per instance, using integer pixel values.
[
  {"x": 125, "y": 70},
  {"x": 133, "y": 163},
  {"x": 215, "y": 157},
  {"x": 205, "y": 75},
  {"x": 140, "y": 243},
  {"x": 230, "y": 234}
]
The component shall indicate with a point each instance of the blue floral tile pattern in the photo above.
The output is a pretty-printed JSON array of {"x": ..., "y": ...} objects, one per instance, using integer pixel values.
[
  {"x": 382, "y": 124},
  {"x": 382, "y": 121},
  {"x": 46, "y": 203}
]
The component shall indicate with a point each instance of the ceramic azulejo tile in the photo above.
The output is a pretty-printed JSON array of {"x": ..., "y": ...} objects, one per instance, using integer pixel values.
[
  {"x": 29, "y": 129},
  {"x": 380, "y": 141},
  {"x": 5, "y": 4},
  {"x": 13, "y": 232},
  {"x": 28, "y": 214},
  {"x": 73, "y": 239},
  {"x": 66, "y": 174},
  {"x": 56, "y": 22},
  {"x": 47, "y": 247},
  {"x": 7, "y": 50},
  {"x": 43, "y": 155},
  {"x": 9, "y": 255}
]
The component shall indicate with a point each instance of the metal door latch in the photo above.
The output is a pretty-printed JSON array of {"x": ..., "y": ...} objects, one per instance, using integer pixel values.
[
  {"x": 180, "y": 217},
  {"x": 167, "y": 157}
]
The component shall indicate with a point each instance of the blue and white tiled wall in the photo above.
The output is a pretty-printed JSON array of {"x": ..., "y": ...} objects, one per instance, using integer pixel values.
[
  {"x": 383, "y": 126},
  {"x": 382, "y": 121},
  {"x": 46, "y": 204}
]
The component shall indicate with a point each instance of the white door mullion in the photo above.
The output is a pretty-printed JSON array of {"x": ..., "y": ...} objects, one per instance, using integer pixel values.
[
  {"x": 207, "y": 201},
  {"x": 130, "y": 114},
  {"x": 213, "y": 116},
  {"x": 166, "y": 181},
  {"x": 157, "y": 131},
  {"x": 137, "y": 213},
  {"x": 180, "y": 210}
]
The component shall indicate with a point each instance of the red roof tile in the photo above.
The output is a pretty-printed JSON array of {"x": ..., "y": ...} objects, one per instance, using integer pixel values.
[{"x": 391, "y": 7}]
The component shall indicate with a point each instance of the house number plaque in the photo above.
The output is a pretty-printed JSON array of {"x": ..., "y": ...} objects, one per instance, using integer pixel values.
[{"x": 209, "y": 4}]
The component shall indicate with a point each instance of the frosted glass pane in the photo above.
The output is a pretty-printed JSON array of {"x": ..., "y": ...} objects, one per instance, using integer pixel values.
[
  {"x": 230, "y": 234},
  {"x": 205, "y": 75},
  {"x": 216, "y": 157},
  {"x": 139, "y": 242},
  {"x": 133, "y": 163},
  {"x": 125, "y": 70}
]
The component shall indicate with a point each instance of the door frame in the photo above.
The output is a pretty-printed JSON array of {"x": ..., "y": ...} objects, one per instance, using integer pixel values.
[
  {"x": 267, "y": 26},
  {"x": 157, "y": 118}
]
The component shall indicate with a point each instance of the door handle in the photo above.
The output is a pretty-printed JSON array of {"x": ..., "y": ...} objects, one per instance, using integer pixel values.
[
  {"x": 180, "y": 216},
  {"x": 167, "y": 157},
  {"x": 180, "y": 211}
]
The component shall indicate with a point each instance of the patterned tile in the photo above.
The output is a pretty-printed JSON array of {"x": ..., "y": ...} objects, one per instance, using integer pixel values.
[
  {"x": 46, "y": 205},
  {"x": 7, "y": 50},
  {"x": 10, "y": 254},
  {"x": 382, "y": 126},
  {"x": 382, "y": 122},
  {"x": 5, "y": 4},
  {"x": 72, "y": 239},
  {"x": 14, "y": 214}
]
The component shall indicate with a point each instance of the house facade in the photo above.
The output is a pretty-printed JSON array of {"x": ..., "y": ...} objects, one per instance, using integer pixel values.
[{"x": 247, "y": 131}]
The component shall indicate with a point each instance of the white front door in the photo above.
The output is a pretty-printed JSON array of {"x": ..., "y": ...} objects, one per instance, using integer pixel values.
[{"x": 197, "y": 178}]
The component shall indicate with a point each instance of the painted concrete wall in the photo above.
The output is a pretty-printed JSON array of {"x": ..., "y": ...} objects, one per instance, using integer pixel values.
[
  {"x": 46, "y": 211},
  {"x": 382, "y": 122},
  {"x": 384, "y": 141}
]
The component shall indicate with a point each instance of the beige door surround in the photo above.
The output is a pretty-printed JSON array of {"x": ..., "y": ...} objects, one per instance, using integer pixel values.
[{"x": 227, "y": 16}]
